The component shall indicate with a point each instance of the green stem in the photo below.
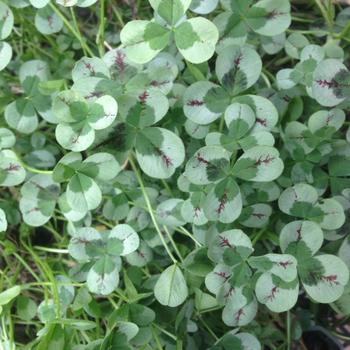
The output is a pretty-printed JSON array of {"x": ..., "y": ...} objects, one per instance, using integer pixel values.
[
  {"x": 173, "y": 243},
  {"x": 288, "y": 331},
  {"x": 258, "y": 236},
  {"x": 100, "y": 38},
  {"x": 31, "y": 169},
  {"x": 75, "y": 31},
  {"x": 150, "y": 209}
]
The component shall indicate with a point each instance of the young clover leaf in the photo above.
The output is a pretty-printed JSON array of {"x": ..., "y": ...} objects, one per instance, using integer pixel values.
[
  {"x": 104, "y": 251},
  {"x": 171, "y": 288},
  {"x": 323, "y": 276},
  {"x": 38, "y": 201},
  {"x": 195, "y": 38},
  {"x": 79, "y": 119}
]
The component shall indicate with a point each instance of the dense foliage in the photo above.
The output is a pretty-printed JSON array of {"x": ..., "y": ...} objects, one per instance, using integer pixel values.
[{"x": 174, "y": 174}]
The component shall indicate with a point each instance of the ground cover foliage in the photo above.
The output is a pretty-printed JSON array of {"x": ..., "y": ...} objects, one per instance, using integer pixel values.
[{"x": 174, "y": 174}]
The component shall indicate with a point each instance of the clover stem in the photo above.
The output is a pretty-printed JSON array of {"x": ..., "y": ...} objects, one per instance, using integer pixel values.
[
  {"x": 100, "y": 37},
  {"x": 167, "y": 187},
  {"x": 173, "y": 243},
  {"x": 31, "y": 169},
  {"x": 76, "y": 31},
  {"x": 258, "y": 236},
  {"x": 188, "y": 234},
  {"x": 150, "y": 209},
  {"x": 288, "y": 331}
]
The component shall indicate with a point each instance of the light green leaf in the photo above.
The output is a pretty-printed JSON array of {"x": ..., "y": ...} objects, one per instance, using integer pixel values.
[
  {"x": 127, "y": 236},
  {"x": 171, "y": 288},
  {"x": 269, "y": 17},
  {"x": 204, "y": 102},
  {"x": 21, "y": 115},
  {"x": 5, "y": 54},
  {"x": 307, "y": 232},
  {"x": 277, "y": 295},
  {"x": 207, "y": 165},
  {"x": 103, "y": 277},
  {"x": 170, "y": 10},
  {"x": 143, "y": 40},
  {"x": 3, "y": 221},
  {"x": 6, "y": 21},
  {"x": 330, "y": 82},
  {"x": 47, "y": 21},
  {"x": 196, "y": 39},
  {"x": 223, "y": 203},
  {"x": 260, "y": 163},
  {"x": 159, "y": 152},
  {"x": 83, "y": 194},
  {"x": 238, "y": 68},
  {"x": 325, "y": 278},
  {"x": 11, "y": 171}
]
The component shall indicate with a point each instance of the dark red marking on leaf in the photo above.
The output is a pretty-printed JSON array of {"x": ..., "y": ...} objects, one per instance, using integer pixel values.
[
  {"x": 329, "y": 118},
  {"x": 201, "y": 159},
  {"x": 274, "y": 13},
  {"x": 239, "y": 314},
  {"x": 13, "y": 167},
  {"x": 268, "y": 159},
  {"x": 196, "y": 211},
  {"x": 259, "y": 215},
  {"x": 119, "y": 61},
  {"x": 331, "y": 279},
  {"x": 222, "y": 203},
  {"x": 38, "y": 186},
  {"x": 195, "y": 103},
  {"x": 285, "y": 264},
  {"x": 229, "y": 293},
  {"x": 75, "y": 139},
  {"x": 167, "y": 160},
  {"x": 223, "y": 275},
  {"x": 90, "y": 68},
  {"x": 330, "y": 84},
  {"x": 35, "y": 209},
  {"x": 50, "y": 21},
  {"x": 299, "y": 233},
  {"x": 224, "y": 242},
  {"x": 272, "y": 294},
  {"x": 143, "y": 97},
  {"x": 94, "y": 94},
  {"x": 238, "y": 60},
  {"x": 7, "y": 13},
  {"x": 141, "y": 254},
  {"x": 261, "y": 121},
  {"x": 156, "y": 83}
]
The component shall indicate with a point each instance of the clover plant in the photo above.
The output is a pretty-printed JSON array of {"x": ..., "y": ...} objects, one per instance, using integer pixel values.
[{"x": 174, "y": 174}]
